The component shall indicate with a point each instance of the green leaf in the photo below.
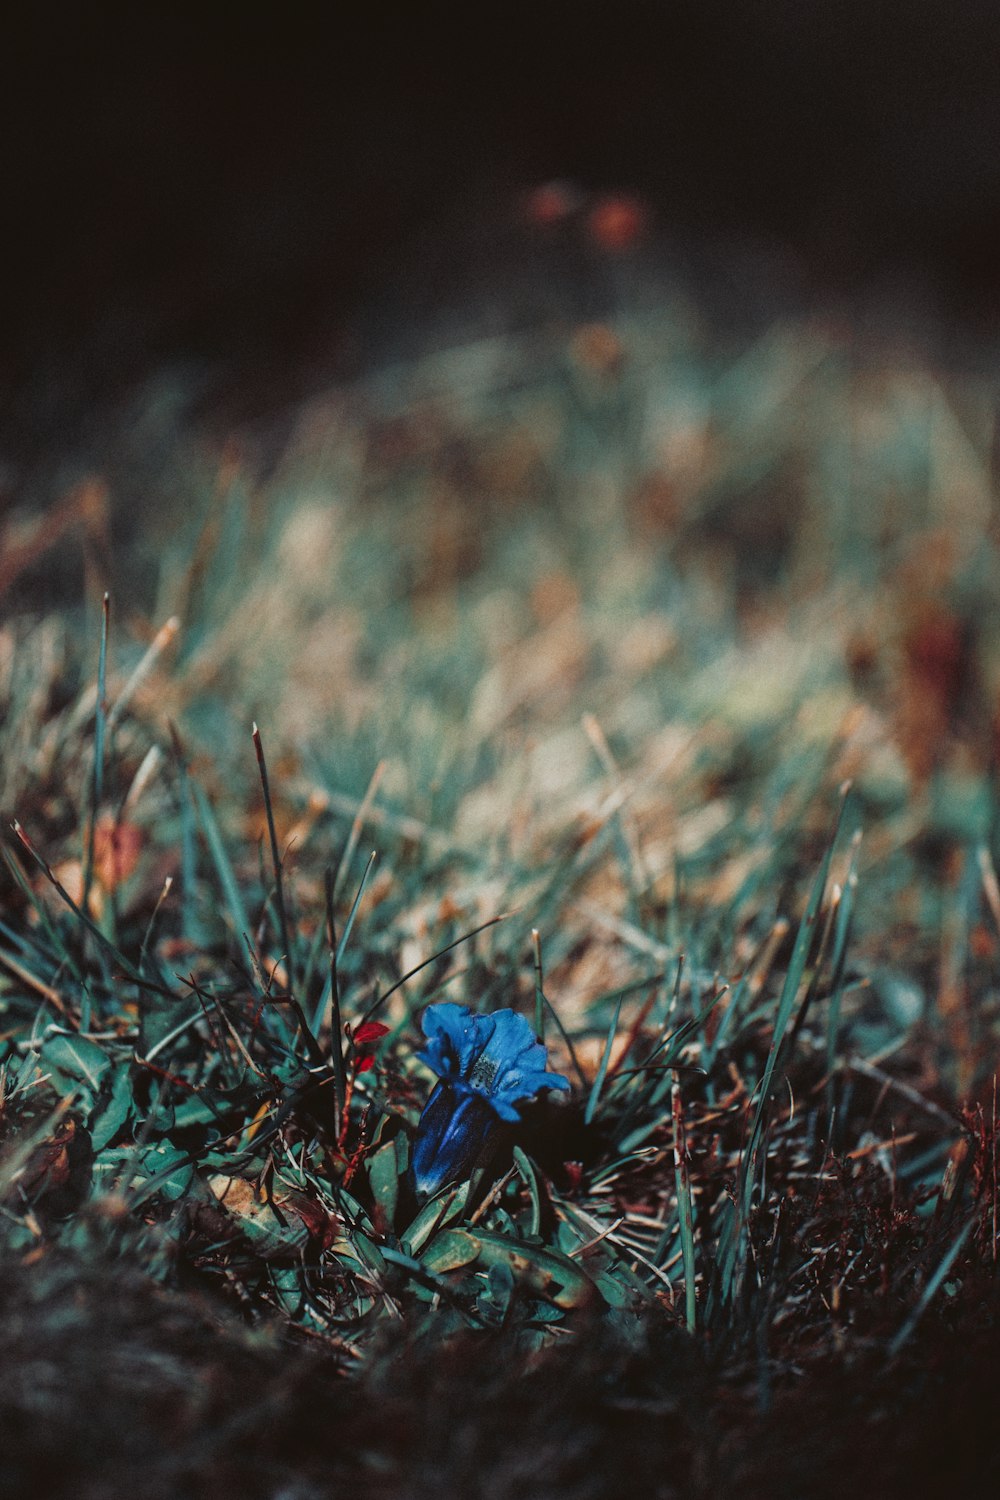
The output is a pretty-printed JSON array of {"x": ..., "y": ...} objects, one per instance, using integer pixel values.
[
  {"x": 383, "y": 1177},
  {"x": 111, "y": 1115},
  {"x": 440, "y": 1210},
  {"x": 77, "y": 1058},
  {"x": 500, "y": 1288},
  {"x": 451, "y": 1250},
  {"x": 271, "y": 1237},
  {"x": 529, "y": 1176},
  {"x": 545, "y": 1272},
  {"x": 611, "y": 1289},
  {"x": 367, "y": 1251},
  {"x": 170, "y": 1172},
  {"x": 195, "y": 1111}
]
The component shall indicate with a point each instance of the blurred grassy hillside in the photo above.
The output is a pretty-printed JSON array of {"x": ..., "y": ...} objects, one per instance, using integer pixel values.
[{"x": 581, "y": 568}]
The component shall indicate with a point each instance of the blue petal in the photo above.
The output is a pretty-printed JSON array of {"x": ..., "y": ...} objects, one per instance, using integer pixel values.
[
  {"x": 455, "y": 1037},
  {"x": 453, "y": 1132},
  {"x": 496, "y": 1055}
]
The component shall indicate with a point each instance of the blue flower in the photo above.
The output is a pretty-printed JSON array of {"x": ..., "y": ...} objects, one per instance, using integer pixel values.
[{"x": 486, "y": 1065}]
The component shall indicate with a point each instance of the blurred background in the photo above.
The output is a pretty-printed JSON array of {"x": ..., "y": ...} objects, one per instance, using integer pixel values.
[{"x": 286, "y": 197}]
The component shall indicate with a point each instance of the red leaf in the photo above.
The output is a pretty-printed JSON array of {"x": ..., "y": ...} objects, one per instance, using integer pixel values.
[{"x": 368, "y": 1031}]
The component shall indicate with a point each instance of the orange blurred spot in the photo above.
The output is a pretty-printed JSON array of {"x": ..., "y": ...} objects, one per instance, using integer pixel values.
[
  {"x": 935, "y": 663},
  {"x": 597, "y": 348},
  {"x": 552, "y": 595},
  {"x": 448, "y": 910},
  {"x": 982, "y": 943},
  {"x": 551, "y": 203},
  {"x": 656, "y": 504},
  {"x": 69, "y": 874},
  {"x": 617, "y": 222},
  {"x": 117, "y": 847}
]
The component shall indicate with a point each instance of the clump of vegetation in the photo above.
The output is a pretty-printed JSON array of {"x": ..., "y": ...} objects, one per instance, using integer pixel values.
[{"x": 647, "y": 698}]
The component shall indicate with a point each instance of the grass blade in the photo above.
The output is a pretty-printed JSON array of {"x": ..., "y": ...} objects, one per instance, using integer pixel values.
[
  {"x": 685, "y": 1204},
  {"x": 279, "y": 892},
  {"x": 536, "y": 944},
  {"x": 97, "y": 778},
  {"x": 336, "y": 1021},
  {"x": 349, "y": 924},
  {"x": 223, "y": 868},
  {"x": 602, "y": 1071}
]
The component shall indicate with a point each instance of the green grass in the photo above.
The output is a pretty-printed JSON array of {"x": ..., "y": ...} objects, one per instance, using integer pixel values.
[{"x": 587, "y": 655}]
